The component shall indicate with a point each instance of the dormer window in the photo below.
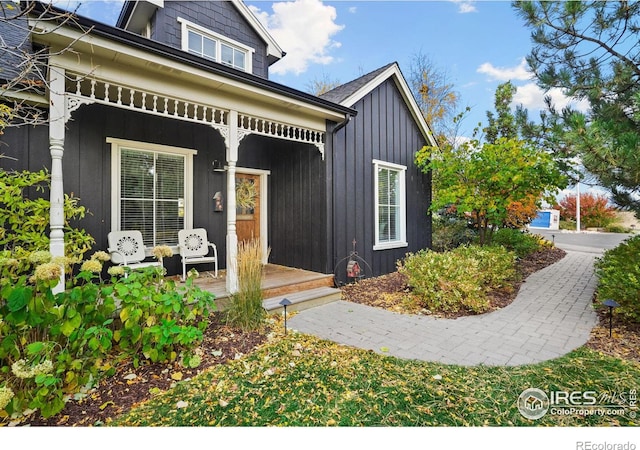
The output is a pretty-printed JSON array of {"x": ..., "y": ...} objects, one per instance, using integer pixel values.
[{"x": 213, "y": 46}]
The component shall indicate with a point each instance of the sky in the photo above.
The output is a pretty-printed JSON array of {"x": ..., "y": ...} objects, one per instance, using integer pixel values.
[{"x": 476, "y": 44}]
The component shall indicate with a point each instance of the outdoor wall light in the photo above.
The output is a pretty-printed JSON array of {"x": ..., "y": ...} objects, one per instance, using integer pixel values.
[
  {"x": 285, "y": 302},
  {"x": 611, "y": 304},
  {"x": 217, "y": 166}
]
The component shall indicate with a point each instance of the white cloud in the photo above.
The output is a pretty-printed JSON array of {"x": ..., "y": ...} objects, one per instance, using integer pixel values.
[
  {"x": 532, "y": 97},
  {"x": 304, "y": 29},
  {"x": 466, "y": 6},
  {"x": 519, "y": 72},
  {"x": 353, "y": 10}
]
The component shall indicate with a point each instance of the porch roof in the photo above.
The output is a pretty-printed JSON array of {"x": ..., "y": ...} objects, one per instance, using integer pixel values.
[{"x": 114, "y": 43}]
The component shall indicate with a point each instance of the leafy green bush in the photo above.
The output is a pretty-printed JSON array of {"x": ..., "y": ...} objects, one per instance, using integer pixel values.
[
  {"x": 158, "y": 319},
  {"x": 53, "y": 345},
  {"x": 450, "y": 231},
  {"x": 458, "y": 280},
  {"x": 616, "y": 228},
  {"x": 522, "y": 244},
  {"x": 618, "y": 273},
  {"x": 24, "y": 218}
]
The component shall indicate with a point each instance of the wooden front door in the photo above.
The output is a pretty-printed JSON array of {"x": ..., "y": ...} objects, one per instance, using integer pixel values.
[{"x": 248, "y": 206}]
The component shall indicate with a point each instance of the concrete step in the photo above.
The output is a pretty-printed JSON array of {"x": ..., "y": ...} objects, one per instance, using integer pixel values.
[{"x": 302, "y": 300}]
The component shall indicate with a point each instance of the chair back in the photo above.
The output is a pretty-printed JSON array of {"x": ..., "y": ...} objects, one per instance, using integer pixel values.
[
  {"x": 128, "y": 243},
  {"x": 193, "y": 242}
]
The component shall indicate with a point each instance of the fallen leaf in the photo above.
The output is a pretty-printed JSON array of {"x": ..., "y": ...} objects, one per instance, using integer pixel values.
[
  {"x": 130, "y": 376},
  {"x": 384, "y": 349},
  {"x": 105, "y": 404},
  {"x": 223, "y": 403},
  {"x": 176, "y": 376},
  {"x": 182, "y": 404}
]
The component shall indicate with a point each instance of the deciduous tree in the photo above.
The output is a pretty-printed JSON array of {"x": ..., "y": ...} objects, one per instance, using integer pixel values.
[
  {"x": 483, "y": 180},
  {"x": 595, "y": 210}
]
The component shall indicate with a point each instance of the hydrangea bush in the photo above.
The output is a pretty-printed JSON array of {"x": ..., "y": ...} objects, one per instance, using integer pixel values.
[
  {"x": 52, "y": 346},
  {"x": 56, "y": 345}
]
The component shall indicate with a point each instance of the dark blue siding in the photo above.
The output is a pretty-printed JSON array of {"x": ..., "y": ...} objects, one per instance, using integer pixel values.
[{"x": 385, "y": 130}]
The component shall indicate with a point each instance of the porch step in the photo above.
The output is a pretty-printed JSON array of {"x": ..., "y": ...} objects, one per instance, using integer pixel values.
[
  {"x": 302, "y": 300},
  {"x": 291, "y": 281}
]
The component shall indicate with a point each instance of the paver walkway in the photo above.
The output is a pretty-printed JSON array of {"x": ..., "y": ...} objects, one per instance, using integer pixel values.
[{"x": 551, "y": 315}]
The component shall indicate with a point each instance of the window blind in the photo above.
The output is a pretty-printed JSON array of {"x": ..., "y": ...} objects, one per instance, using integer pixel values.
[{"x": 152, "y": 190}]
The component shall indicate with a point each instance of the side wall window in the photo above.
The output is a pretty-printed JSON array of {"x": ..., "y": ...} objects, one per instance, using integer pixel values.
[
  {"x": 390, "y": 201},
  {"x": 152, "y": 190}
]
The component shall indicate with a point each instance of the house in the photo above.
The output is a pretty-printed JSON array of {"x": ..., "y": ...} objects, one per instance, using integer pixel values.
[{"x": 154, "y": 123}]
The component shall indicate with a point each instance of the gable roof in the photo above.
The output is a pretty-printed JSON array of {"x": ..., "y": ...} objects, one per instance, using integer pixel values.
[
  {"x": 350, "y": 93},
  {"x": 135, "y": 15}
]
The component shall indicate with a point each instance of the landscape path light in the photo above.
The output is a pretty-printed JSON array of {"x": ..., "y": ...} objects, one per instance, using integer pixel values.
[
  {"x": 285, "y": 302},
  {"x": 611, "y": 304}
]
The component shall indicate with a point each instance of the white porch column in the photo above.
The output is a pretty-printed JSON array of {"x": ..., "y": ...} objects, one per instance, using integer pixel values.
[
  {"x": 232, "y": 237},
  {"x": 56, "y": 148}
]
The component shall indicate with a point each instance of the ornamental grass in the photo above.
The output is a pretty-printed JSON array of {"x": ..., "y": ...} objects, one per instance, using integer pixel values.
[{"x": 246, "y": 310}]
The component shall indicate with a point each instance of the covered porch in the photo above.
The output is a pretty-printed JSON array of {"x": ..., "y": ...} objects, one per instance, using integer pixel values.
[{"x": 142, "y": 98}]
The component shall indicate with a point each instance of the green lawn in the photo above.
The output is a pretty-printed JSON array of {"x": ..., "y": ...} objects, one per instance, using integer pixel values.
[{"x": 300, "y": 380}]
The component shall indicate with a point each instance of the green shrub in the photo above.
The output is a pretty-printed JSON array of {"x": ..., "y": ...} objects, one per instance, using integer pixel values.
[
  {"x": 157, "y": 319},
  {"x": 458, "y": 280},
  {"x": 24, "y": 220},
  {"x": 53, "y": 345},
  {"x": 618, "y": 273},
  {"x": 521, "y": 243},
  {"x": 246, "y": 310},
  {"x": 450, "y": 231}
]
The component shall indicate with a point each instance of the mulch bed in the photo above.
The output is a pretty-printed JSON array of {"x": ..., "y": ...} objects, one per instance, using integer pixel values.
[
  {"x": 393, "y": 293},
  {"x": 624, "y": 342}
]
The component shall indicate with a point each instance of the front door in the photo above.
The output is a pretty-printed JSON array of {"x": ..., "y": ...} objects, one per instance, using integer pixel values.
[{"x": 248, "y": 206}]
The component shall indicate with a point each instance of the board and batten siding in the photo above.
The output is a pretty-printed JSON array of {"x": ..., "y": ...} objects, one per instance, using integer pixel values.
[
  {"x": 383, "y": 130},
  {"x": 297, "y": 199}
]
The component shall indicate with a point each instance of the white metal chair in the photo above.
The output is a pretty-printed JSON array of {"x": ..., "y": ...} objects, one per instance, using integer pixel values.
[
  {"x": 194, "y": 249},
  {"x": 127, "y": 249}
]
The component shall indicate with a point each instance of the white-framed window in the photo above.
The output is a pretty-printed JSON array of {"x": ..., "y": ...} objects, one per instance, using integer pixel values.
[
  {"x": 214, "y": 46},
  {"x": 391, "y": 205},
  {"x": 151, "y": 190}
]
